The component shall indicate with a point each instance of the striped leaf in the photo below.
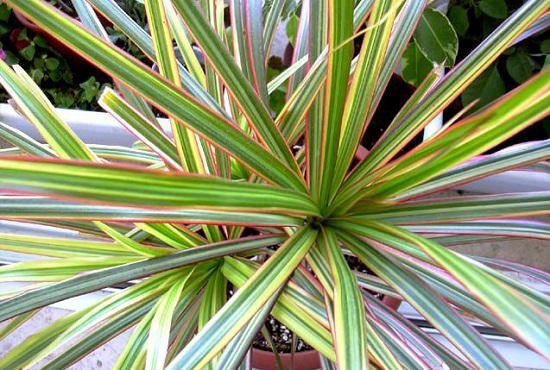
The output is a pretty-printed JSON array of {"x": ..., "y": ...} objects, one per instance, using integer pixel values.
[
  {"x": 515, "y": 228},
  {"x": 186, "y": 143},
  {"x": 430, "y": 348},
  {"x": 350, "y": 332},
  {"x": 497, "y": 295},
  {"x": 16, "y": 323},
  {"x": 26, "y": 351},
  {"x": 112, "y": 11},
  {"x": 461, "y": 208},
  {"x": 111, "y": 306},
  {"x": 236, "y": 350},
  {"x": 60, "y": 247},
  {"x": 247, "y": 32},
  {"x": 138, "y": 125},
  {"x": 358, "y": 106},
  {"x": 158, "y": 341},
  {"x": 176, "y": 236},
  {"x": 184, "y": 44},
  {"x": 57, "y": 269},
  {"x": 519, "y": 109},
  {"x": 24, "y": 142},
  {"x": 482, "y": 166},
  {"x": 97, "y": 280},
  {"x": 41, "y": 113},
  {"x": 99, "y": 337},
  {"x": 124, "y": 185},
  {"x": 239, "y": 271},
  {"x": 39, "y": 208},
  {"x": 324, "y": 136}
]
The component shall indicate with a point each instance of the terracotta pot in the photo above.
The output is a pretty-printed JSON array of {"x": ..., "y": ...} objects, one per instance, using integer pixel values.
[
  {"x": 392, "y": 302},
  {"x": 265, "y": 360}
]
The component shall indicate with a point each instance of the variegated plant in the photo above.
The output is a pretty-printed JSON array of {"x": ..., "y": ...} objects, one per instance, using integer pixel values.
[{"x": 270, "y": 203}]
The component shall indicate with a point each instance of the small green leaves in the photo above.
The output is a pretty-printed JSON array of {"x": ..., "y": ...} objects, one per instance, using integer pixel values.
[
  {"x": 436, "y": 38},
  {"x": 28, "y": 52},
  {"x": 459, "y": 19},
  {"x": 415, "y": 66},
  {"x": 486, "y": 88},
  {"x": 519, "y": 66},
  {"x": 494, "y": 8},
  {"x": 5, "y": 12}
]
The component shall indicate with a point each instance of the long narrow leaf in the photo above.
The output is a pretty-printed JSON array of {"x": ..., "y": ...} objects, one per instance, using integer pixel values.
[
  {"x": 515, "y": 228},
  {"x": 138, "y": 125},
  {"x": 480, "y": 167},
  {"x": 363, "y": 86},
  {"x": 185, "y": 140},
  {"x": 350, "y": 332},
  {"x": 23, "y": 141},
  {"x": 59, "y": 247},
  {"x": 99, "y": 337},
  {"x": 104, "y": 278},
  {"x": 324, "y": 139},
  {"x": 40, "y": 208},
  {"x": 499, "y": 297},
  {"x": 112, "y": 11},
  {"x": 237, "y": 348},
  {"x": 135, "y": 186},
  {"x": 41, "y": 113},
  {"x": 160, "y": 325},
  {"x": 473, "y": 207}
]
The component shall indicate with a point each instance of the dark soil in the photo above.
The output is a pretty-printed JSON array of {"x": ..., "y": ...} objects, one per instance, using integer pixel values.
[
  {"x": 282, "y": 338},
  {"x": 356, "y": 265}
]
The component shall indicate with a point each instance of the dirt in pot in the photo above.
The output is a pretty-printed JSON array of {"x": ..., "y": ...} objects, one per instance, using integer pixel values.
[{"x": 281, "y": 337}]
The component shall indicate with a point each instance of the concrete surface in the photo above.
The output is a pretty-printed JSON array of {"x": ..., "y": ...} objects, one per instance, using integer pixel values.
[
  {"x": 535, "y": 253},
  {"x": 101, "y": 359}
]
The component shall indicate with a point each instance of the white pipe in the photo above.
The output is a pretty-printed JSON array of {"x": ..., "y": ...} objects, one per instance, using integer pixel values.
[
  {"x": 91, "y": 127},
  {"x": 436, "y": 124}
]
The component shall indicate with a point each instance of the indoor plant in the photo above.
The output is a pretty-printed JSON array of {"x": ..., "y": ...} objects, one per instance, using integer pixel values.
[{"x": 182, "y": 223}]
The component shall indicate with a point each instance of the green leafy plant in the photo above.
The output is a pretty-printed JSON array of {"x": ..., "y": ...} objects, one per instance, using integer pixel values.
[
  {"x": 473, "y": 20},
  {"x": 66, "y": 86},
  {"x": 435, "y": 42},
  {"x": 270, "y": 204}
]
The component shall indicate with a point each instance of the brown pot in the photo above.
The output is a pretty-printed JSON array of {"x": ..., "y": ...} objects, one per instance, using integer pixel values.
[
  {"x": 392, "y": 302},
  {"x": 266, "y": 360}
]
